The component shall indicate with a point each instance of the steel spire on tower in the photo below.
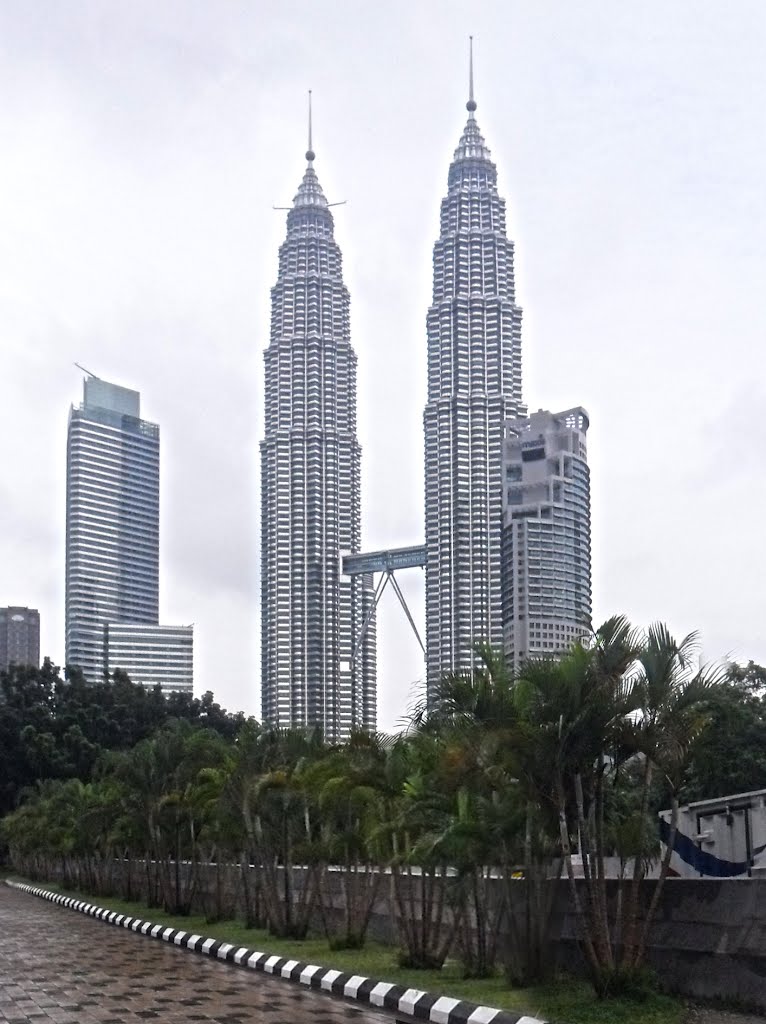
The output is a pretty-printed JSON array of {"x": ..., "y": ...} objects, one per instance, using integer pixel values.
[
  {"x": 310, "y": 154},
  {"x": 310, "y": 191},
  {"x": 472, "y": 145},
  {"x": 471, "y": 104}
]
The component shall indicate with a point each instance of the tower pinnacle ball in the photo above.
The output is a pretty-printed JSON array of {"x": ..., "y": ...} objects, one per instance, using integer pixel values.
[
  {"x": 310, "y": 154},
  {"x": 470, "y": 106}
]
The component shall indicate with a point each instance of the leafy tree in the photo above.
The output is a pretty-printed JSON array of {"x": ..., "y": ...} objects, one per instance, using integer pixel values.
[
  {"x": 26, "y": 698},
  {"x": 465, "y": 821},
  {"x": 166, "y": 793},
  {"x": 620, "y": 702},
  {"x": 414, "y": 815},
  {"x": 54, "y": 728},
  {"x": 730, "y": 755},
  {"x": 348, "y": 784}
]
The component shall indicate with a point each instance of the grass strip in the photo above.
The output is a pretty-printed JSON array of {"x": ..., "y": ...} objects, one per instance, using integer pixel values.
[{"x": 567, "y": 1000}]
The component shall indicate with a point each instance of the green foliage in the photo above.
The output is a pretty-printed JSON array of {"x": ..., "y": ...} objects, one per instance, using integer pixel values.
[
  {"x": 463, "y": 823},
  {"x": 611, "y": 714},
  {"x": 637, "y": 984},
  {"x": 730, "y": 756},
  {"x": 51, "y": 728}
]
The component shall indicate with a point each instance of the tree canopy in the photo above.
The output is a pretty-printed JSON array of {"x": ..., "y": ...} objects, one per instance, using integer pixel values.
[
  {"x": 464, "y": 823},
  {"x": 56, "y": 728},
  {"x": 730, "y": 757}
]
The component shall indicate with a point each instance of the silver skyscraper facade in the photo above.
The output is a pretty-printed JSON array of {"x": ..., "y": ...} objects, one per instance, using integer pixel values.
[
  {"x": 474, "y": 386},
  {"x": 112, "y": 521},
  {"x": 546, "y": 539},
  {"x": 313, "y": 671}
]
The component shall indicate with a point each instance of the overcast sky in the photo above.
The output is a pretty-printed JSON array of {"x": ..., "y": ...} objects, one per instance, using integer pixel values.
[{"x": 144, "y": 143}]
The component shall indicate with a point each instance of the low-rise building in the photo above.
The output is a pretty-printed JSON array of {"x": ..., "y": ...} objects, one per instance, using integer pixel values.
[{"x": 151, "y": 655}]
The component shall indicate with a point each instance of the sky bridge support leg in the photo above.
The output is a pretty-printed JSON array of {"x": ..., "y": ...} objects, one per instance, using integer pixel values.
[
  {"x": 403, "y": 603},
  {"x": 378, "y": 593},
  {"x": 387, "y": 575}
]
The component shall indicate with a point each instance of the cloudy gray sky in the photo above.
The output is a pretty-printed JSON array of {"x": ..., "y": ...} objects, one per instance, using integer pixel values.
[{"x": 143, "y": 146}]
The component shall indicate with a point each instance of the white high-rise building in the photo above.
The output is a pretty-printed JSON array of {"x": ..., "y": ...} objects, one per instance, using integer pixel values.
[
  {"x": 313, "y": 673},
  {"x": 112, "y": 545},
  {"x": 546, "y": 537},
  {"x": 474, "y": 386},
  {"x": 112, "y": 521}
]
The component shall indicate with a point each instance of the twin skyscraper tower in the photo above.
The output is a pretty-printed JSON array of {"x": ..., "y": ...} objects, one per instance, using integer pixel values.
[
  {"x": 507, "y": 536},
  {"x": 507, "y": 496}
]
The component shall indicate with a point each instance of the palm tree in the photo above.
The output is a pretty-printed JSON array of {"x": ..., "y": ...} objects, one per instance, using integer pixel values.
[
  {"x": 504, "y": 765},
  {"x": 474, "y": 716},
  {"x": 574, "y": 708},
  {"x": 162, "y": 776},
  {"x": 619, "y": 704},
  {"x": 276, "y": 809},
  {"x": 413, "y": 815},
  {"x": 238, "y": 778},
  {"x": 347, "y": 785},
  {"x": 673, "y": 698},
  {"x": 482, "y": 696}
]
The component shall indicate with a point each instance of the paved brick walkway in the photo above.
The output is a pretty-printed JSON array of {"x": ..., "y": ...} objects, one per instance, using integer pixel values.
[{"x": 56, "y": 965}]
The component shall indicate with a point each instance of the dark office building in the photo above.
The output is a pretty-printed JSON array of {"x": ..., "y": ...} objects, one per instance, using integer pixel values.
[{"x": 19, "y": 637}]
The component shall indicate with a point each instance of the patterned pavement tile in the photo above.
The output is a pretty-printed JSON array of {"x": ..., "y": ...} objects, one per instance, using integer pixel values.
[{"x": 62, "y": 968}]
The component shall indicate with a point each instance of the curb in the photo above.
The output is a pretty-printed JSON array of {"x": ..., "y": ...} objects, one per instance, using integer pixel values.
[{"x": 413, "y": 1002}]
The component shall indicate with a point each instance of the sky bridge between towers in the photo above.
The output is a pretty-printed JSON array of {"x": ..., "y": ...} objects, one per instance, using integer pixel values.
[{"x": 387, "y": 563}]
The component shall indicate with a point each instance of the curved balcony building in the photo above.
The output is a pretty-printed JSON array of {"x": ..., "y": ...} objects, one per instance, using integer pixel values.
[{"x": 547, "y": 546}]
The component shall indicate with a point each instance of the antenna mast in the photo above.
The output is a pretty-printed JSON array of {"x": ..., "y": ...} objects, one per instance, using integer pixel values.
[{"x": 90, "y": 373}]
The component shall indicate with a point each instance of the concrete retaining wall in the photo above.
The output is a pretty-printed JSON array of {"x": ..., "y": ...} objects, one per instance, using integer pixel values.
[{"x": 709, "y": 939}]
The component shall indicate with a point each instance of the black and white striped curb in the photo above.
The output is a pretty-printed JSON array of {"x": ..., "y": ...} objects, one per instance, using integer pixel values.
[{"x": 411, "y": 1001}]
